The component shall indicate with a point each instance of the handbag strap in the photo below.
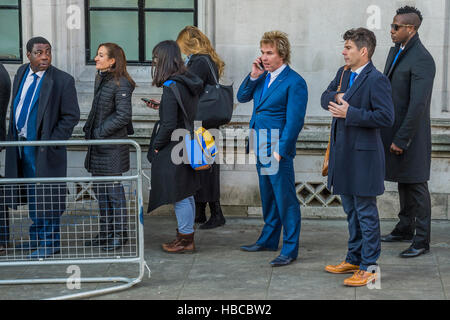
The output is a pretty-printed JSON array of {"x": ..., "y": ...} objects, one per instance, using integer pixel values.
[
  {"x": 212, "y": 69},
  {"x": 180, "y": 103},
  {"x": 346, "y": 67}
]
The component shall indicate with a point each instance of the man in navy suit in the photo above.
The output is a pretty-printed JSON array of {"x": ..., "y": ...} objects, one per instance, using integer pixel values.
[
  {"x": 44, "y": 107},
  {"x": 279, "y": 96},
  {"x": 360, "y": 108}
]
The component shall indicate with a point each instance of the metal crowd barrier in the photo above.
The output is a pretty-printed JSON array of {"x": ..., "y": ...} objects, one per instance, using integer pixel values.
[{"x": 80, "y": 222}]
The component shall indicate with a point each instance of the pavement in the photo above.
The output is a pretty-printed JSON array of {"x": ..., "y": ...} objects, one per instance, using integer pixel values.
[{"x": 218, "y": 270}]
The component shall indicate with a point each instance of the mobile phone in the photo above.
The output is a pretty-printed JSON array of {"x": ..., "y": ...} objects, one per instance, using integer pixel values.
[
  {"x": 156, "y": 103},
  {"x": 261, "y": 66}
]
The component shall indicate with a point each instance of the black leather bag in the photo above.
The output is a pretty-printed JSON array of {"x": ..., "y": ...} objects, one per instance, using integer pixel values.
[{"x": 215, "y": 107}]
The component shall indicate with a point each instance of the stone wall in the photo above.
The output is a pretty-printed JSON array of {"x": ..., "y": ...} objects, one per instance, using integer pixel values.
[{"x": 315, "y": 30}]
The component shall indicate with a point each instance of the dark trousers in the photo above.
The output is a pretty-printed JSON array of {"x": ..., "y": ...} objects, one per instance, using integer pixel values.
[
  {"x": 364, "y": 244},
  {"x": 4, "y": 219},
  {"x": 281, "y": 208},
  {"x": 45, "y": 229},
  {"x": 113, "y": 208},
  {"x": 415, "y": 214}
]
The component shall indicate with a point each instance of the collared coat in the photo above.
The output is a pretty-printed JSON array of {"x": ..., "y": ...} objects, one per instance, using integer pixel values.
[
  {"x": 356, "y": 165},
  {"x": 58, "y": 113},
  {"x": 5, "y": 93},
  {"x": 411, "y": 79}
]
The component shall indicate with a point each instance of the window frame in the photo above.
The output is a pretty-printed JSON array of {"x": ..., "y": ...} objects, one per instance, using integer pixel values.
[
  {"x": 141, "y": 10},
  {"x": 19, "y": 8}
]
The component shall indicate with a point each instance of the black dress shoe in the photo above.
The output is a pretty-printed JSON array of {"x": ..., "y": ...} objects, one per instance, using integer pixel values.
[
  {"x": 255, "y": 247},
  {"x": 391, "y": 238},
  {"x": 281, "y": 261},
  {"x": 412, "y": 252},
  {"x": 115, "y": 241},
  {"x": 3, "y": 248},
  {"x": 98, "y": 240}
]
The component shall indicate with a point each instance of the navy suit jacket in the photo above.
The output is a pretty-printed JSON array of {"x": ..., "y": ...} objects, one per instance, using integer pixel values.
[
  {"x": 282, "y": 107},
  {"x": 357, "y": 165}
]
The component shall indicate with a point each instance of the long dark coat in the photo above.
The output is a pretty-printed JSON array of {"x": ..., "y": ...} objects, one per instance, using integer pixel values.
[
  {"x": 109, "y": 118},
  {"x": 209, "y": 179},
  {"x": 57, "y": 114},
  {"x": 412, "y": 79},
  {"x": 356, "y": 165},
  {"x": 5, "y": 93},
  {"x": 172, "y": 182}
]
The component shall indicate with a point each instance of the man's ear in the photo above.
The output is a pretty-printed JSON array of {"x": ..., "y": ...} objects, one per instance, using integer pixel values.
[
  {"x": 29, "y": 55},
  {"x": 364, "y": 51}
]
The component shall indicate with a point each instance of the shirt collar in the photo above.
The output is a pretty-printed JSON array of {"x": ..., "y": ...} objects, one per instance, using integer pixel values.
[
  {"x": 360, "y": 69},
  {"x": 40, "y": 74},
  {"x": 278, "y": 71}
]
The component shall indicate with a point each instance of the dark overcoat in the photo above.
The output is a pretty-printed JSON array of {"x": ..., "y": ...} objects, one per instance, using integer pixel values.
[
  {"x": 172, "y": 181},
  {"x": 57, "y": 114},
  {"x": 5, "y": 93},
  {"x": 109, "y": 118},
  {"x": 356, "y": 165},
  {"x": 411, "y": 79},
  {"x": 209, "y": 179}
]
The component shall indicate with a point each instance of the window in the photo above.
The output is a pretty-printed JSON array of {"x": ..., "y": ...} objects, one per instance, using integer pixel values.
[
  {"x": 136, "y": 25},
  {"x": 11, "y": 31}
]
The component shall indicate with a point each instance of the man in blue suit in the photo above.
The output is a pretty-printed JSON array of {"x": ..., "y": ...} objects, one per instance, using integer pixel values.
[
  {"x": 361, "y": 104},
  {"x": 44, "y": 107},
  {"x": 279, "y": 96}
]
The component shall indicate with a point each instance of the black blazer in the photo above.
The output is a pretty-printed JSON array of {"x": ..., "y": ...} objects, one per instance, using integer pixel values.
[
  {"x": 411, "y": 79},
  {"x": 5, "y": 93}
]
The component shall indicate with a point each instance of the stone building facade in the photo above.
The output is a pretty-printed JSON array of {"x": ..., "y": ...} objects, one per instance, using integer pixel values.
[{"x": 315, "y": 29}]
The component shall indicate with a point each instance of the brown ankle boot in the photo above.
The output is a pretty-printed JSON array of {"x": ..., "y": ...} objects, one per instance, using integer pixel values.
[
  {"x": 183, "y": 244},
  {"x": 173, "y": 241}
]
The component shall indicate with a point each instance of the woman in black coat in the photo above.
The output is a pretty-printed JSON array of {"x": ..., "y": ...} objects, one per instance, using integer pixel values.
[
  {"x": 201, "y": 55},
  {"x": 173, "y": 181},
  {"x": 110, "y": 118}
]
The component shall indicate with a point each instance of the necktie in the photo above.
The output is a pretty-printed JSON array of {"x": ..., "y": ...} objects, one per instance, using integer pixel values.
[
  {"x": 27, "y": 103},
  {"x": 266, "y": 85},
  {"x": 396, "y": 57},
  {"x": 352, "y": 79}
]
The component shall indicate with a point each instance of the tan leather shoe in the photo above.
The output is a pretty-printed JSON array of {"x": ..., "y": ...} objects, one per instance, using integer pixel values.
[
  {"x": 183, "y": 244},
  {"x": 360, "y": 278},
  {"x": 343, "y": 267}
]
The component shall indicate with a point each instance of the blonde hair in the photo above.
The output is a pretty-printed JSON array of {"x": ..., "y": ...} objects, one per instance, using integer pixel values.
[
  {"x": 192, "y": 41},
  {"x": 280, "y": 41}
]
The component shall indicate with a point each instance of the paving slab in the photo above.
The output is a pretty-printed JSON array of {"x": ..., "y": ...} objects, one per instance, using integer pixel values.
[{"x": 218, "y": 270}]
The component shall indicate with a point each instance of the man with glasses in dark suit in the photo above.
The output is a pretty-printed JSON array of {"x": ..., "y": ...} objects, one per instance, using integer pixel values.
[{"x": 411, "y": 70}]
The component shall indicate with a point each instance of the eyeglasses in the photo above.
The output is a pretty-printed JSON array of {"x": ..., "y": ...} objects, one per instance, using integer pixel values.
[{"x": 398, "y": 26}]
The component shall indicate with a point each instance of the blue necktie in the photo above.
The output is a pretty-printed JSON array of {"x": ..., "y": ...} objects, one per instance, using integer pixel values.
[
  {"x": 27, "y": 103},
  {"x": 396, "y": 57},
  {"x": 266, "y": 85},
  {"x": 352, "y": 79}
]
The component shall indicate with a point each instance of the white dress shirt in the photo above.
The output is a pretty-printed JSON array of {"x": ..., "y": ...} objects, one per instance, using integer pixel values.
[
  {"x": 29, "y": 80},
  {"x": 359, "y": 70},
  {"x": 273, "y": 75}
]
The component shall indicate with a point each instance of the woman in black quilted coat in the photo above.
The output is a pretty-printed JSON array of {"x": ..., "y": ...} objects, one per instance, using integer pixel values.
[{"x": 110, "y": 118}]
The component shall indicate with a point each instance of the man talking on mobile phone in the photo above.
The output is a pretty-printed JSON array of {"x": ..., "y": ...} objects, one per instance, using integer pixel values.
[{"x": 279, "y": 96}]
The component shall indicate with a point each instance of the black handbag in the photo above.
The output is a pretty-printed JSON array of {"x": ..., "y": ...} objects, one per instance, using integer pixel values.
[{"x": 215, "y": 106}]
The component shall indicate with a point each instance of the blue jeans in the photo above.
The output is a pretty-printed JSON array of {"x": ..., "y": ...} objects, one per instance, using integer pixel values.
[
  {"x": 364, "y": 244},
  {"x": 185, "y": 212}
]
